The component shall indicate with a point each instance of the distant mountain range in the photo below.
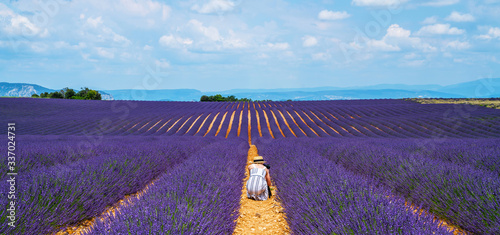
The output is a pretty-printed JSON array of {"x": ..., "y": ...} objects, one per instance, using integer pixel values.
[
  {"x": 482, "y": 88},
  {"x": 26, "y": 90}
]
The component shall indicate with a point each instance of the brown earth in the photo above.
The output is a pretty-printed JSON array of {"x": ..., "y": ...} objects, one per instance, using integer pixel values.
[
  {"x": 277, "y": 123},
  {"x": 305, "y": 122},
  {"x": 230, "y": 123},
  {"x": 268, "y": 125},
  {"x": 211, "y": 124},
  {"x": 260, "y": 217},
  {"x": 202, "y": 123},
  {"x": 293, "y": 119},
  {"x": 286, "y": 123}
]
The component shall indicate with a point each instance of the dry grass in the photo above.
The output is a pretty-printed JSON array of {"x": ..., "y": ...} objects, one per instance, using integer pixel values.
[{"x": 488, "y": 103}]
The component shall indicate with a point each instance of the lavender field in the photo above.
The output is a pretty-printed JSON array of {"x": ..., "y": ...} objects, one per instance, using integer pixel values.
[{"x": 342, "y": 167}]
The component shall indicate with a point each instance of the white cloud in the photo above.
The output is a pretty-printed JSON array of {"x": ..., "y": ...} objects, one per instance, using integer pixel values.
[
  {"x": 121, "y": 40},
  {"x": 209, "y": 37},
  {"x": 493, "y": 32},
  {"x": 39, "y": 47},
  {"x": 86, "y": 56},
  {"x": 410, "y": 56},
  {"x": 440, "y": 29},
  {"x": 458, "y": 45},
  {"x": 320, "y": 56},
  {"x": 440, "y": 3},
  {"x": 309, "y": 41},
  {"x": 95, "y": 22},
  {"x": 105, "y": 53},
  {"x": 165, "y": 13},
  {"x": 415, "y": 63},
  {"x": 102, "y": 33},
  {"x": 142, "y": 7},
  {"x": 214, "y": 6},
  {"x": 397, "y": 31},
  {"x": 147, "y": 48},
  {"x": 174, "y": 41},
  {"x": 430, "y": 20},
  {"x": 162, "y": 63},
  {"x": 378, "y": 3},
  {"x": 233, "y": 41},
  {"x": 332, "y": 15},
  {"x": 278, "y": 46},
  {"x": 457, "y": 17},
  {"x": 125, "y": 56},
  {"x": 209, "y": 32},
  {"x": 196, "y": 35},
  {"x": 18, "y": 25},
  {"x": 381, "y": 45},
  {"x": 400, "y": 37},
  {"x": 65, "y": 45}
]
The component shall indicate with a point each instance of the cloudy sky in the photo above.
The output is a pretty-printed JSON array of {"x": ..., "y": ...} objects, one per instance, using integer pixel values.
[{"x": 223, "y": 44}]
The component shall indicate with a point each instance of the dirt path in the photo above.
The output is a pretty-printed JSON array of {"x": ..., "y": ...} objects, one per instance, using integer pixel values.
[
  {"x": 259, "y": 217},
  {"x": 249, "y": 128},
  {"x": 305, "y": 122},
  {"x": 286, "y": 123},
  {"x": 211, "y": 124},
  {"x": 315, "y": 122},
  {"x": 268, "y": 125},
  {"x": 192, "y": 124},
  {"x": 277, "y": 123},
  {"x": 230, "y": 123},
  {"x": 202, "y": 124},
  {"x": 293, "y": 119}
]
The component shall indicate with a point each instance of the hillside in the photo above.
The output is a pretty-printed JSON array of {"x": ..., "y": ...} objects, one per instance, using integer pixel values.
[
  {"x": 26, "y": 90},
  {"x": 482, "y": 88}
]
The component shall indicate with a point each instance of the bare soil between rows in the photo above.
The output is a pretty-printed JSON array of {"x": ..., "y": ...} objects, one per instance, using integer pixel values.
[{"x": 260, "y": 217}]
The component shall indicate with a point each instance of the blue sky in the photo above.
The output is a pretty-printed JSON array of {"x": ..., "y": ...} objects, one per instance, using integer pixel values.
[{"x": 215, "y": 45}]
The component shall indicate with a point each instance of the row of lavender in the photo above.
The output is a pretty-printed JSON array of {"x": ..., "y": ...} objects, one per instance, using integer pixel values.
[
  {"x": 369, "y": 118},
  {"x": 455, "y": 179},
  {"x": 321, "y": 197},
  {"x": 200, "y": 196},
  {"x": 63, "y": 180}
]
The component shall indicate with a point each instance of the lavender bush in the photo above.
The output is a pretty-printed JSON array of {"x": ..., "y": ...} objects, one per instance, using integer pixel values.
[
  {"x": 200, "y": 196},
  {"x": 53, "y": 196},
  {"x": 321, "y": 197}
]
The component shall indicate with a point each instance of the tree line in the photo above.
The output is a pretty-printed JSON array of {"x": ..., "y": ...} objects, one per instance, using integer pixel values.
[
  {"x": 220, "y": 98},
  {"x": 68, "y": 93},
  {"x": 230, "y": 98}
]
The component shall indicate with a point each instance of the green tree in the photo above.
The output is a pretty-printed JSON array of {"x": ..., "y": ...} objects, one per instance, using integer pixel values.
[
  {"x": 88, "y": 94},
  {"x": 35, "y": 96},
  {"x": 220, "y": 98},
  {"x": 56, "y": 95},
  {"x": 83, "y": 92},
  {"x": 68, "y": 93},
  {"x": 93, "y": 95},
  {"x": 44, "y": 95},
  {"x": 204, "y": 98}
]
